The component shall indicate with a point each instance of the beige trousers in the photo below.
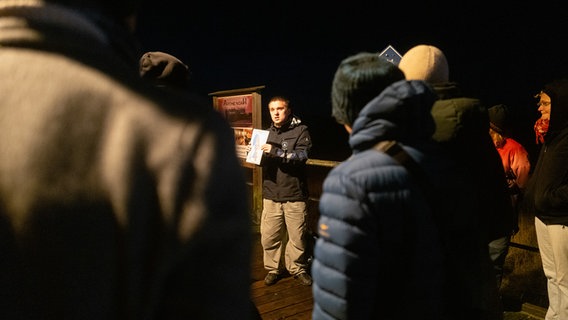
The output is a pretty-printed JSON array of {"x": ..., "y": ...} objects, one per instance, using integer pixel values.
[{"x": 283, "y": 225}]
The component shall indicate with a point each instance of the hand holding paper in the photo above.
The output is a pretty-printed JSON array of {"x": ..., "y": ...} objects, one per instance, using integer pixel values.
[{"x": 258, "y": 138}]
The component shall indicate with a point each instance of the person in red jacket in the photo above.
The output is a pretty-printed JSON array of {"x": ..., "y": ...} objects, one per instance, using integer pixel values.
[{"x": 516, "y": 166}]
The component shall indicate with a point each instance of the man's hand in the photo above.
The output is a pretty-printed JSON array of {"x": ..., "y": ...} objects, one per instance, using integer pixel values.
[{"x": 266, "y": 147}]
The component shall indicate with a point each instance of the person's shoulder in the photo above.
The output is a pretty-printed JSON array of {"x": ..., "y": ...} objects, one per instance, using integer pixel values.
[
  {"x": 162, "y": 108},
  {"x": 366, "y": 165},
  {"x": 460, "y": 104},
  {"x": 515, "y": 144},
  {"x": 304, "y": 127},
  {"x": 450, "y": 96},
  {"x": 179, "y": 103}
]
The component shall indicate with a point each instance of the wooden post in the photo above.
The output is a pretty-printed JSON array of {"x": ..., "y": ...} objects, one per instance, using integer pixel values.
[{"x": 243, "y": 109}]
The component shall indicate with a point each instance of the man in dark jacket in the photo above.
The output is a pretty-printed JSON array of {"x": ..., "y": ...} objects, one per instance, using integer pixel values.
[
  {"x": 462, "y": 127},
  {"x": 285, "y": 194},
  {"x": 389, "y": 246},
  {"x": 117, "y": 200},
  {"x": 547, "y": 194}
]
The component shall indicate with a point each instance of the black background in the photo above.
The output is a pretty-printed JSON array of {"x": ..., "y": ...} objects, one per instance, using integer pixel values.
[{"x": 501, "y": 53}]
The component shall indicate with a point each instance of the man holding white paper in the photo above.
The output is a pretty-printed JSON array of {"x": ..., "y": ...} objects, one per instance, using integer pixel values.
[{"x": 285, "y": 194}]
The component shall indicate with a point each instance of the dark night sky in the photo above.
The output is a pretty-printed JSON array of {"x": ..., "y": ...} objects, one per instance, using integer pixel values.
[{"x": 501, "y": 55}]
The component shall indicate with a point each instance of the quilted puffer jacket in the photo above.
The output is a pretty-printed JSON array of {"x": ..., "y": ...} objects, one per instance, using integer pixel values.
[{"x": 385, "y": 249}]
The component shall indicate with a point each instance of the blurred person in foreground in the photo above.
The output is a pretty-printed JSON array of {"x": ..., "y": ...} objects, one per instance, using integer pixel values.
[
  {"x": 547, "y": 194},
  {"x": 516, "y": 166},
  {"x": 394, "y": 244},
  {"x": 168, "y": 72},
  {"x": 118, "y": 200}
]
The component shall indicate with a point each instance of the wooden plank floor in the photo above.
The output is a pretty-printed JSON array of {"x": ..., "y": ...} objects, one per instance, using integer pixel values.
[{"x": 287, "y": 299}]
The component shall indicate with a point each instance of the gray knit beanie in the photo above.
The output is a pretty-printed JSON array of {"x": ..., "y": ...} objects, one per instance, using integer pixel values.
[
  {"x": 358, "y": 79},
  {"x": 164, "y": 69}
]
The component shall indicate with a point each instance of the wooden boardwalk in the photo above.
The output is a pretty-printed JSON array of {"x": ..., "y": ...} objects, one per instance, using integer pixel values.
[{"x": 287, "y": 299}]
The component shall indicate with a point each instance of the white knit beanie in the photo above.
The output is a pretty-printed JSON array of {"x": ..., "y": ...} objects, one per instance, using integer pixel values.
[{"x": 425, "y": 62}]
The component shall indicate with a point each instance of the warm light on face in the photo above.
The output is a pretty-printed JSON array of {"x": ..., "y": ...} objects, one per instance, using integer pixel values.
[
  {"x": 278, "y": 112},
  {"x": 544, "y": 105}
]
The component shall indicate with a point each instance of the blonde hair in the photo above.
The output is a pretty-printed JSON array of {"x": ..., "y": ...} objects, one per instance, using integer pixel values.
[{"x": 498, "y": 140}]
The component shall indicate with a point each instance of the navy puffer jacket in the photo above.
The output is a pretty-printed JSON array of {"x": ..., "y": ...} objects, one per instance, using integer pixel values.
[{"x": 382, "y": 252}]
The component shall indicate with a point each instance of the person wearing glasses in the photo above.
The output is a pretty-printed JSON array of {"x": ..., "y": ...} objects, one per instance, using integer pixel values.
[{"x": 547, "y": 194}]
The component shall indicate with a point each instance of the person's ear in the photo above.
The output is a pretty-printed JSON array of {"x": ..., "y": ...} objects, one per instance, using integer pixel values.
[{"x": 348, "y": 128}]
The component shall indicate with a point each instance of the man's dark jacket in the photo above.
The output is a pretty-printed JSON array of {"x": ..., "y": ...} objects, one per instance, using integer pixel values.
[{"x": 284, "y": 168}]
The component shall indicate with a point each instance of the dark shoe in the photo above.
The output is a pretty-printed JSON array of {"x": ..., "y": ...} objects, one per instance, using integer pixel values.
[
  {"x": 304, "y": 278},
  {"x": 270, "y": 279}
]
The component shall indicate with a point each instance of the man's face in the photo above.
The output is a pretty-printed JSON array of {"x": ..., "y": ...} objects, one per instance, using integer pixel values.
[
  {"x": 544, "y": 106},
  {"x": 279, "y": 112}
]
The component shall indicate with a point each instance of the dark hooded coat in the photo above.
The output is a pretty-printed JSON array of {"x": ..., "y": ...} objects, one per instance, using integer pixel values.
[
  {"x": 462, "y": 127},
  {"x": 547, "y": 190},
  {"x": 284, "y": 168},
  {"x": 117, "y": 200}
]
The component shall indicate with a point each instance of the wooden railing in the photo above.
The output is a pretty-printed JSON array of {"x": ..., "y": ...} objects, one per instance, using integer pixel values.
[{"x": 524, "y": 278}]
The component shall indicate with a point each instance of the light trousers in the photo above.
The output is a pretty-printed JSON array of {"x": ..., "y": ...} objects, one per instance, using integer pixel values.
[
  {"x": 553, "y": 246},
  {"x": 283, "y": 225}
]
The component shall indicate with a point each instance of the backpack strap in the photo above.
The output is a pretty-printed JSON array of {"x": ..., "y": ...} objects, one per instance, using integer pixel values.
[{"x": 393, "y": 149}]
